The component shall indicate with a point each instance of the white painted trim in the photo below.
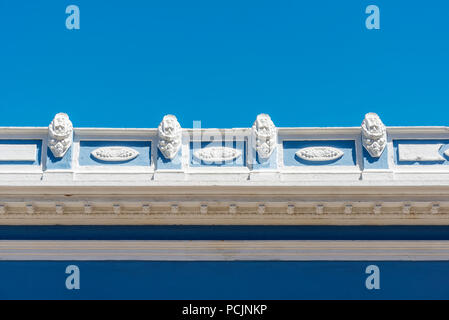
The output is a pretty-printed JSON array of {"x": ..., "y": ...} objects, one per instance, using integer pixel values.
[
  {"x": 27, "y": 131},
  {"x": 228, "y": 250},
  {"x": 396, "y": 130},
  {"x": 226, "y": 134},
  {"x": 116, "y": 133}
]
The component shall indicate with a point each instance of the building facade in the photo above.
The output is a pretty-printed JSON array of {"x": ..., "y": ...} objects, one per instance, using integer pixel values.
[{"x": 262, "y": 212}]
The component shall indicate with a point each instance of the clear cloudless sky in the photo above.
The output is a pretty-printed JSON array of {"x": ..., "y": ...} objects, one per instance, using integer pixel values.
[{"x": 306, "y": 63}]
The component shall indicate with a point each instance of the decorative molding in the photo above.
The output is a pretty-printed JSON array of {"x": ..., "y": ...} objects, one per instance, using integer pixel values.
[
  {"x": 420, "y": 152},
  {"x": 377, "y": 209},
  {"x": 59, "y": 208},
  {"x": 152, "y": 132},
  {"x": 60, "y": 135},
  {"x": 88, "y": 208},
  {"x": 406, "y": 208},
  {"x": 435, "y": 208},
  {"x": 170, "y": 136},
  {"x": 116, "y": 208},
  {"x": 221, "y": 211},
  {"x": 374, "y": 135},
  {"x": 217, "y": 154},
  {"x": 292, "y": 195},
  {"x": 226, "y": 250},
  {"x": 264, "y": 136},
  {"x": 30, "y": 209},
  {"x": 146, "y": 209},
  {"x": 114, "y": 154},
  {"x": 348, "y": 208},
  {"x": 319, "y": 154},
  {"x": 174, "y": 209}
]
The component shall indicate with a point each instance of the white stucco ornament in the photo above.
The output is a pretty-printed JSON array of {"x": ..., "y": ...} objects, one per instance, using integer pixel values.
[
  {"x": 170, "y": 134},
  {"x": 114, "y": 154},
  {"x": 60, "y": 135},
  {"x": 319, "y": 153},
  {"x": 217, "y": 154},
  {"x": 264, "y": 136},
  {"x": 374, "y": 135}
]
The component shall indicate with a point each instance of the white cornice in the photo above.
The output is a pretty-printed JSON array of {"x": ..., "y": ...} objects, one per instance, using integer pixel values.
[
  {"x": 225, "y": 250},
  {"x": 116, "y": 132},
  {"x": 39, "y": 131},
  {"x": 246, "y": 194},
  {"x": 236, "y": 131},
  {"x": 418, "y": 130},
  {"x": 144, "y": 186}
]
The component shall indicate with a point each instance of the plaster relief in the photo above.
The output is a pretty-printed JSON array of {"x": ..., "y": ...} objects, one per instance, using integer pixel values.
[
  {"x": 217, "y": 154},
  {"x": 374, "y": 135},
  {"x": 170, "y": 134},
  {"x": 114, "y": 154},
  {"x": 60, "y": 135},
  {"x": 319, "y": 154},
  {"x": 264, "y": 136}
]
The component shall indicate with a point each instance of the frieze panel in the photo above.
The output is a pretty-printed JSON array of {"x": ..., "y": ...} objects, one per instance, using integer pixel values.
[
  {"x": 115, "y": 153},
  {"x": 319, "y": 153},
  {"x": 365, "y": 149}
]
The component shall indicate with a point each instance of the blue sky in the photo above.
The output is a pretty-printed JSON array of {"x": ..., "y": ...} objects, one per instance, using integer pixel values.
[{"x": 306, "y": 63}]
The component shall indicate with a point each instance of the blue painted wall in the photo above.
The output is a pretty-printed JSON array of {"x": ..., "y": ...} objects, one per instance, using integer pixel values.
[
  {"x": 347, "y": 146},
  {"x": 224, "y": 280},
  {"x": 270, "y": 163},
  {"x": 143, "y": 147},
  {"x": 59, "y": 163},
  {"x": 167, "y": 164},
  {"x": 375, "y": 163}
]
